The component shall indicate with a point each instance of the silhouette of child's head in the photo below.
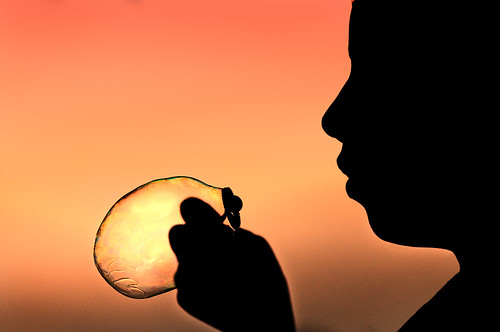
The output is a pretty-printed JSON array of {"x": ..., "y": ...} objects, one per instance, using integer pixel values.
[{"x": 403, "y": 119}]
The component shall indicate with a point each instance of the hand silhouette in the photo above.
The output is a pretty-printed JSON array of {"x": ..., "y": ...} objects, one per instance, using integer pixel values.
[{"x": 229, "y": 279}]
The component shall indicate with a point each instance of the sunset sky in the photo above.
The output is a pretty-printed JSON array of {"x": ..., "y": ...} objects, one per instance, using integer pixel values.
[{"x": 100, "y": 96}]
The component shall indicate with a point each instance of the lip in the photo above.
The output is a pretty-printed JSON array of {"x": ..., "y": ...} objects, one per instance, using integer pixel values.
[
  {"x": 354, "y": 183},
  {"x": 342, "y": 163},
  {"x": 351, "y": 188}
]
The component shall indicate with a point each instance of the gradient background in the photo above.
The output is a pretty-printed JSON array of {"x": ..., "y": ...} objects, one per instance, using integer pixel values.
[{"x": 100, "y": 96}]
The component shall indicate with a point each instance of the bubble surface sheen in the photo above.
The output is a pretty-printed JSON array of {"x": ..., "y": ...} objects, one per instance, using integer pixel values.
[{"x": 131, "y": 249}]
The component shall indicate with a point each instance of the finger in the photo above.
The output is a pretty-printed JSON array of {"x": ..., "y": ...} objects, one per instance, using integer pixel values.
[
  {"x": 197, "y": 248},
  {"x": 178, "y": 237},
  {"x": 198, "y": 213},
  {"x": 189, "y": 256}
]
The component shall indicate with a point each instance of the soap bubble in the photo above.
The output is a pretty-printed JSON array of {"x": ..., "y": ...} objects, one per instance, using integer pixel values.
[{"x": 131, "y": 249}]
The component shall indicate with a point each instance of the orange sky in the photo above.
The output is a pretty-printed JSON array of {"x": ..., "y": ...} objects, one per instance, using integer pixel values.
[{"x": 98, "y": 97}]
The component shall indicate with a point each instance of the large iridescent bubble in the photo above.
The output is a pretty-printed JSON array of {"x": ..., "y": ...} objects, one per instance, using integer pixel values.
[{"x": 132, "y": 250}]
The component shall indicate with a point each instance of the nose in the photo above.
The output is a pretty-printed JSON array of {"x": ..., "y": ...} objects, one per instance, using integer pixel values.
[
  {"x": 327, "y": 122},
  {"x": 334, "y": 120}
]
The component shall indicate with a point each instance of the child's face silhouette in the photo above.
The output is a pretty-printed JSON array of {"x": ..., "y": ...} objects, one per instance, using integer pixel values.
[{"x": 392, "y": 116}]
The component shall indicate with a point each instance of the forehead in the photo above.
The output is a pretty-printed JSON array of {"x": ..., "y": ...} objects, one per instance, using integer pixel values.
[
  {"x": 410, "y": 45},
  {"x": 401, "y": 29}
]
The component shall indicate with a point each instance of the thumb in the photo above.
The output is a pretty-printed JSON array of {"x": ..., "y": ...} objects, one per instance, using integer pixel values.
[
  {"x": 179, "y": 239},
  {"x": 198, "y": 213}
]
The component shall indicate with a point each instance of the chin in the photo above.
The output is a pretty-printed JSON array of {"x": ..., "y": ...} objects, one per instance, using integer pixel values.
[
  {"x": 352, "y": 190},
  {"x": 390, "y": 219},
  {"x": 357, "y": 191},
  {"x": 400, "y": 228}
]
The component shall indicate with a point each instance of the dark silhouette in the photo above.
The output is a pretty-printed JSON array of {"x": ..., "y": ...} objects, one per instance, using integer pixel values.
[
  {"x": 229, "y": 279},
  {"x": 411, "y": 150},
  {"x": 404, "y": 118}
]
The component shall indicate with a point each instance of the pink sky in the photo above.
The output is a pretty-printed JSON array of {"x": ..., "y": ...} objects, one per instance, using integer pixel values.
[{"x": 99, "y": 97}]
